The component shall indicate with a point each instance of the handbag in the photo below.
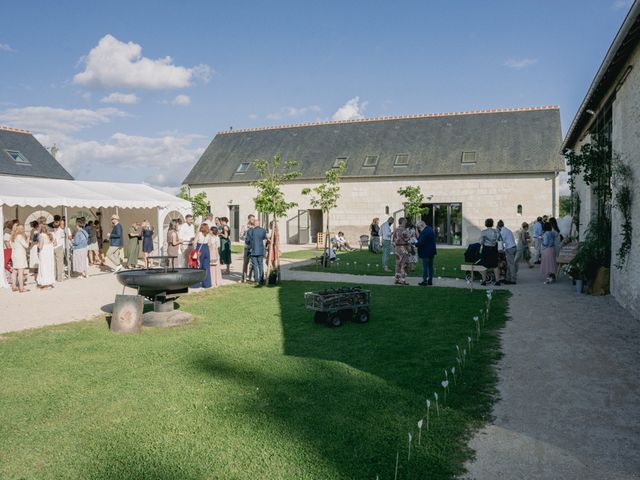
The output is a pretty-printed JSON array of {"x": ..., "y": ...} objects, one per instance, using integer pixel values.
[{"x": 194, "y": 257}]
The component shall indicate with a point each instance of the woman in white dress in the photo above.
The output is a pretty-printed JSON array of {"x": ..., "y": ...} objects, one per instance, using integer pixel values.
[
  {"x": 46, "y": 267},
  {"x": 214, "y": 248},
  {"x": 19, "y": 247},
  {"x": 33, "y": 252}
]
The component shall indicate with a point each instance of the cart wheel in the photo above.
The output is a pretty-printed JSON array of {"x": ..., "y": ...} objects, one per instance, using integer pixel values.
[
  {"x": 362, "y": 315},
  {"x": 491, "y": 278},
  {"x": 320, "y": 317},
  {"x": 334, "y": 320},
  {"x": 345, "y": 315},
  {"x": 468, "y": 277}
]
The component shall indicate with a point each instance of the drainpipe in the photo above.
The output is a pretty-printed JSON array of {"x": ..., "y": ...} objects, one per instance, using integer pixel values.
[{"x": 553, "y": 193}]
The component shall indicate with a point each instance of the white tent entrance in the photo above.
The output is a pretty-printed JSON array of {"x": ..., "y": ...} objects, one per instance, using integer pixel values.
[{"x": 22, "y": 197}]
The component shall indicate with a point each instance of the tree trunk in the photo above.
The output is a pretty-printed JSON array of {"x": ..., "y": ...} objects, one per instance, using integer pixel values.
[{"x": 327, "y": 242}]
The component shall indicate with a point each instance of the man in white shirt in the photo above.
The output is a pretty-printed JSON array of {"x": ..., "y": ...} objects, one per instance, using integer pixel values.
[
  {"x": 186, "y": 234},
  {"x": 209, "y": 221},
  {"x": 385, "y": 234},
  {"x": 509, "y": 245}
]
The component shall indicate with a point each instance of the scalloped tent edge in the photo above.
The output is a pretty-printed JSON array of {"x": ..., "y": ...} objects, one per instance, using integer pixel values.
[{"x": 47, "y": 192}]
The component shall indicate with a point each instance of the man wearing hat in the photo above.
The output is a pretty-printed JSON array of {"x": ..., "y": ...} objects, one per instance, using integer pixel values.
[{"x": 116, "y": 243}]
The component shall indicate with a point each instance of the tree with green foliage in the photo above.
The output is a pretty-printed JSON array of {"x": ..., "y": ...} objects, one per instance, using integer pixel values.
[
  {"x": 565, "y": 205},
  {"x": 199, "y": 204},
  {"x": 325, "y": 196},
  {"x": 270, "y": 199},
  {"x": 414, "y": 199}
]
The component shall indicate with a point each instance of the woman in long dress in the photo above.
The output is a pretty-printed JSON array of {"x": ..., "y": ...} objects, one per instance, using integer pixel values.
[
  {"x": 46, "y": 269},
  {"x": 33, "y": 252},
  {"x": 19, "y": 247},
  {"x": 201, "y": 243},
  {"x": 214, "y": 248},
  {"x": 173, "y": 242},
  {"x": 147, "y": 240},
  {"x": 225, "y": 244},
  {"x": 548, "y": 265},
  {"x": 133, "y": 247},
  {"x": 80, "y": 260},
  {"x": 400, "y": 240}
]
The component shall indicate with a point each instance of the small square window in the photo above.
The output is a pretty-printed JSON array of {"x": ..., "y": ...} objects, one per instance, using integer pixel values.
[
  {"x": 401, "y": 160},
  {"x": 18, "y": 157},
  {"x": 370, "y": 161},
  {"x": 243, "y": 167},
  {"x": 336, "y": 164},
  {"x": 469, "y": 157}
]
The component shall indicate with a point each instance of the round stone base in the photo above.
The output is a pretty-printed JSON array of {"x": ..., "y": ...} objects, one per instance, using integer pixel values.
[{"x": 166, "y": 319}]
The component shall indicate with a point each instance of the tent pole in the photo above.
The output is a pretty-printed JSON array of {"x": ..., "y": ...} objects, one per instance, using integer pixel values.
[
  {"x": 3, "y": 281},
  {"x": 67, "y": 250},
  {"x": 160, "y": 215}
]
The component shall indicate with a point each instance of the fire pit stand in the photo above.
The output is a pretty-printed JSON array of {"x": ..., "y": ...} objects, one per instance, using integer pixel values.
[{"x": 162, "y": 285}]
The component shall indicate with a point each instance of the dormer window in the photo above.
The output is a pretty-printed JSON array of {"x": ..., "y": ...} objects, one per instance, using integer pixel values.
[
  {"x": 243, "y": 167},
  {"x": 18, "y": 157}
]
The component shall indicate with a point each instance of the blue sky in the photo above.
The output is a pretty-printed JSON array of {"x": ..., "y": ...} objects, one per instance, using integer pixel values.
[{"x": 94, "y": 77}]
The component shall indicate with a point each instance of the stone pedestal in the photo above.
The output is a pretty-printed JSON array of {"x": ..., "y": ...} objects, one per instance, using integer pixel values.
[
  {"x": 166, "y": 319},
  {"x": 127, "y": 314}
]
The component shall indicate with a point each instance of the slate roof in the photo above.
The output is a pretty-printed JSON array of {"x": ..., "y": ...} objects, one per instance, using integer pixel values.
[
  {"x": 505, "y": 141},
  {"x": 40, "y": 163}
]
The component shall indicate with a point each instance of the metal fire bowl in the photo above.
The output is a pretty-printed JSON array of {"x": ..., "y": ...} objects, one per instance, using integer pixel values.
[{"x": 156, "y": 281}]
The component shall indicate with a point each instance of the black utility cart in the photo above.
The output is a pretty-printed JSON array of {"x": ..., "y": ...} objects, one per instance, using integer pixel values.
[{"x": 337, "y": 305}]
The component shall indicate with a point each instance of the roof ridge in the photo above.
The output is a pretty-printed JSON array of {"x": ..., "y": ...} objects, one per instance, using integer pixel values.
[
  {"x": 398, "y": 117},
  {"x": 15, "y": 130}
]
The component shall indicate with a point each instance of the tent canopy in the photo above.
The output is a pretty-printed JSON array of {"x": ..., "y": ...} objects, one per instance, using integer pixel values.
[{"x": 46, "y": 192}]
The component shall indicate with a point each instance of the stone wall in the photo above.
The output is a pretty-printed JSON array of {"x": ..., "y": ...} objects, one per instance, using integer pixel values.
[
  {"x": 363, "y": 199},
  {"x": 625, "y": 282}
]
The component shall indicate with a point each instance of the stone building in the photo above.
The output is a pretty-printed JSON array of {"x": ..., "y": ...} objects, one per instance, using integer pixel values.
[
  {"x": 469, "y": 165},
  {"x": 611, "y": 109}
]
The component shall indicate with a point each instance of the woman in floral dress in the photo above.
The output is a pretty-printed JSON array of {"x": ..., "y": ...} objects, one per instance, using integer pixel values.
[{"x": 400, "y": 240}]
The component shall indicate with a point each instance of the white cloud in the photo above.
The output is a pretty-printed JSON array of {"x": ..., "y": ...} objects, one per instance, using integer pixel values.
[
  {"x": 57, "y": 120},
  {"x": 621, "y": 4},
  {"x": 116, "y": 64},
  {"x": 564, "y": 183},
  {"x": 293, "y": 112},
  {"x": 353, "y": 109},
  {"x": 520, "y": 63},
  {"x": 166, "y": 159},
  {"x": 181, "y": 100},
  {"x": 124, "y": 98},
  {"x": 5, "y": 47},
  {"x": 253, "y": 116}
]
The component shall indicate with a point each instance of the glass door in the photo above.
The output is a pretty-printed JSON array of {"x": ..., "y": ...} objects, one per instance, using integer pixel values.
[{"x": 446, "y": 221}]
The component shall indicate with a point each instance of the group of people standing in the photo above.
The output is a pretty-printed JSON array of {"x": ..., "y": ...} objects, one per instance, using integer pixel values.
[
  {"x": 500, "y": 243},
  {"x": 43, "y": 250},
  {"x": 409, "y": 244}
]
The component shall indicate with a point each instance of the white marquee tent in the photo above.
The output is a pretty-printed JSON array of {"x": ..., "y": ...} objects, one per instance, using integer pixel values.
[{"x": 21, "y": 196}]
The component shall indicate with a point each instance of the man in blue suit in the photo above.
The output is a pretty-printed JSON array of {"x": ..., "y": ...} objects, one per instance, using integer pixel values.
[
  {"x": 426, "y": 251},
  {"x": 254, "y": 242}
]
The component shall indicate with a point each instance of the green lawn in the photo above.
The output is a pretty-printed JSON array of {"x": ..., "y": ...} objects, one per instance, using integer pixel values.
[
  {"x": 304, "y": 254},
  {"x": 253, "y": 389},
  {"x": 363, "y": 262}
]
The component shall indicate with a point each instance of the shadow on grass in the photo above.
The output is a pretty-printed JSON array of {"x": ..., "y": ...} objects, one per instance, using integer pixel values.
[{"x": 351, "y": 395}]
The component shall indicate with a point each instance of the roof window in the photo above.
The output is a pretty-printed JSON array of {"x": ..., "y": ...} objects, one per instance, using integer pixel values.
[
  {"x": 370, "y": 161},
  {"x": 469, "y": 158},
  {"x": 243, "y": 167},
  {"x": 402, "y": 160},
  {"x": 19, "y": 158},
  {"x": 336, "y": 164}
]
